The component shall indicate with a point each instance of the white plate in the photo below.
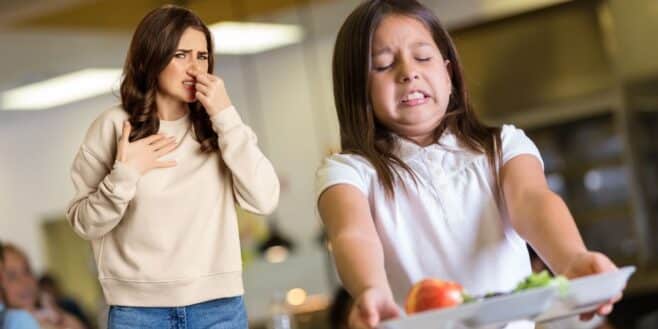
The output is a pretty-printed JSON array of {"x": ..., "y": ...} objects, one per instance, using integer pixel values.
[
  {"x": 493, "y": 312},
  {"x": 541, "y": 304},
  {"x": 585, "y": 294}
]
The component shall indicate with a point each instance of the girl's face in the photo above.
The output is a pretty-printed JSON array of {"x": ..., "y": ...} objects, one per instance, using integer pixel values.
[
  {"x": 409, "y": 81},
  {"x": 18, "y": 282},
  {"x": 174, "y": 82}
]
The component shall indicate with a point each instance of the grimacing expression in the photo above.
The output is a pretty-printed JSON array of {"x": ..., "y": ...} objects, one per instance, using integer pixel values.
[
  {"x": 409, "y": 81},
  {"x": 174, "y": 83}
]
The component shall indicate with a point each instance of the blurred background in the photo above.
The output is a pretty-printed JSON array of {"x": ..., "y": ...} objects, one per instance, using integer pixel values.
[{"x": 581, "y": 77}]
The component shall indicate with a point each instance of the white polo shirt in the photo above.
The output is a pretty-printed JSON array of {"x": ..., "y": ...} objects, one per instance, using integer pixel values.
[{"x": 449, "y": 225}]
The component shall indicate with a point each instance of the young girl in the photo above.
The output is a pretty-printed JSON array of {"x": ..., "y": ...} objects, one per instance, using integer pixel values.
[
  {"x": 157, "y": 181},
  {"x": 422, "y": 188}
]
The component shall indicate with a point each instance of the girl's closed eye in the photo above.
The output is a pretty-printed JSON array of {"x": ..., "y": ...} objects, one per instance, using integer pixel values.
[
  {"x": 423, "y": 55},
  {"x": 382, "y": 62},
  {"x": 381, "y": 68}
]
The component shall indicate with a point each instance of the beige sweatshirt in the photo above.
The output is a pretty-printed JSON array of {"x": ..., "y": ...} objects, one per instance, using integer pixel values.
[{"x": 169, "y": 237}]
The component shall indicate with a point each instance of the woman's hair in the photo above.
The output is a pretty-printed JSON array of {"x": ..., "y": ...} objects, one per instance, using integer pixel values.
[
  {"x": 360, "y": 132},
  {"x": 152, "y": 47},
  {"x": 2, "y": 253}
]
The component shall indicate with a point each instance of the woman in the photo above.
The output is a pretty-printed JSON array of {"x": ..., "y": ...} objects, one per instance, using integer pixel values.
[{"x": 157, "y": 180}]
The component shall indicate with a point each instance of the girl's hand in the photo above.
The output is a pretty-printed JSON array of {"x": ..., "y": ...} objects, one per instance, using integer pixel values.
[
  {"x": 588, "y": 263},
  {"x": 210, "y": 91},
  {"x": 370, "y": 308},
  {"x": 143, "y": 154}
]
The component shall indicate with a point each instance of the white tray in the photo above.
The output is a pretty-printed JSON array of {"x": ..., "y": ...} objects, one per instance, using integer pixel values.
[
  {"x": 541, "y": 304},
  {"x": 587, "y": 293}
]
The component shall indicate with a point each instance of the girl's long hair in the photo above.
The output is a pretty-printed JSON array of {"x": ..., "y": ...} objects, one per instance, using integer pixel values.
[
  {"x": 360, "y": 132},
  {"x": 152, "y": 47}
]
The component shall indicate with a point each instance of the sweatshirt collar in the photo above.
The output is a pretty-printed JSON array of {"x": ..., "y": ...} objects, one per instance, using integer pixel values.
[{"x": 175, "y": 124}]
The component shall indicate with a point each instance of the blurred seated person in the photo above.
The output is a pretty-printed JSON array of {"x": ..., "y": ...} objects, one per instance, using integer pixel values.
[
  {"x": 49, "y": 286},
  {"x": 339, "y": 310},
  {"x": 10, "y": 318},
  {"x": 21, "y": 292}
]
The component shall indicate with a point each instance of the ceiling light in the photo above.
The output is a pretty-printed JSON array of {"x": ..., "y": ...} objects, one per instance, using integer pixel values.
[
  {"x": 61, "y": 90},
  {"x": 250, "y": 38}
]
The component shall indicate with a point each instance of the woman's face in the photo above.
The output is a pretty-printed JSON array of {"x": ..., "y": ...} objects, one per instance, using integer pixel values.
[
  {"x": 18, "y": 282},
  {"x": 409, "y": 81},
  {"x": 175, "y": 84}
]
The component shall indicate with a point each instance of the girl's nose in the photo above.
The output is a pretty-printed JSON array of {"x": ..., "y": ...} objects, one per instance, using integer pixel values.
[
  {"x": 409, "y": 77},
  {"x": 407, "y": 73}
]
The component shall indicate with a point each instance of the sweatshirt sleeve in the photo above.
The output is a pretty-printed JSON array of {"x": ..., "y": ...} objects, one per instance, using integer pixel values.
[
  {"x": 103, "y": 188},
  {"x": 255, "y": 184}
]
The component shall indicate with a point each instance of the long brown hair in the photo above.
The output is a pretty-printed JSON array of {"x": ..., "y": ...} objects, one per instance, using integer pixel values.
[
  {"x": 152, "y": 47},
  {"x": 360, "y": 132}
]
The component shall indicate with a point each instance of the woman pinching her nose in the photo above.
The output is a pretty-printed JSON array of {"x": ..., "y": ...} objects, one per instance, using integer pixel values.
[
  {"x": 210, "y": 91},
  {"x": 158, "y": 179}
]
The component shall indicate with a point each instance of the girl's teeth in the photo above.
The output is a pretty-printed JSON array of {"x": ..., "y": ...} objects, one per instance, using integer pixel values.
[{"x": 414, "y": 96}]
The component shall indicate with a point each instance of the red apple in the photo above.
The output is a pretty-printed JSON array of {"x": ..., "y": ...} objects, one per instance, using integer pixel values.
[{"x": 431, "y": 294}]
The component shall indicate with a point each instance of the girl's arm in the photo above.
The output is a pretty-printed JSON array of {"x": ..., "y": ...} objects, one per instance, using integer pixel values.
[
  {"x": 358, "y": 254},
  {"x": 542, "y": 218},
  {"x": 538, "y": 214}
]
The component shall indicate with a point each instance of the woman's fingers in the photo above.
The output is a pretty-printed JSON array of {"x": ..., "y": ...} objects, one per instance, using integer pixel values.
[
  {"x": 202, "y": 77},
  {"x": 166, "y": 148},
  {"x": 205, "y": 101},
  {"x": 152, "y": 139},
  {"x": 205, "y": 78},
  {"x": 202, "y": 88}
]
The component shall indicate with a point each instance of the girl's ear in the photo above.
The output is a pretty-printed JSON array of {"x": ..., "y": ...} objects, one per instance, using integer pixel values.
[{"x": 448, "y": 65}]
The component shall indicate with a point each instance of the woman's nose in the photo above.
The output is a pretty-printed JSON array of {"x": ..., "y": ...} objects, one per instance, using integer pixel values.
[{"x": 194, "y": 65}]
